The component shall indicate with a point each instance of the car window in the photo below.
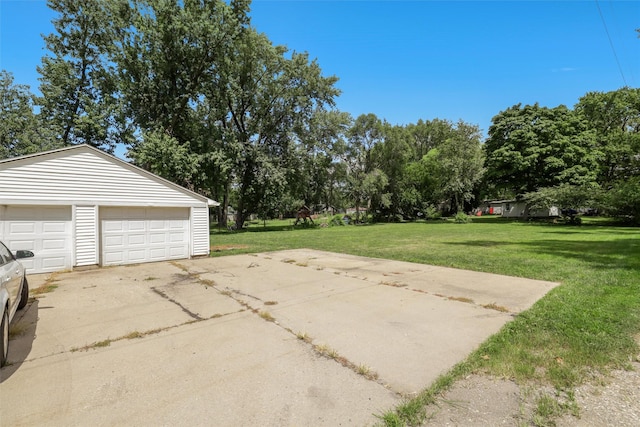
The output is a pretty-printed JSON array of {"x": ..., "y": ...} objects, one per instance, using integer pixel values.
[{"x": 5, "y": 255}]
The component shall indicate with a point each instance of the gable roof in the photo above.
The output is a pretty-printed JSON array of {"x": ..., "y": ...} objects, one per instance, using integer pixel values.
[{"x": 84, "y": 174}]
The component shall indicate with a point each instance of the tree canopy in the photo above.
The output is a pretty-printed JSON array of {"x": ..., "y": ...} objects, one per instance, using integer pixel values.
[{"x": 200, "y": 97}]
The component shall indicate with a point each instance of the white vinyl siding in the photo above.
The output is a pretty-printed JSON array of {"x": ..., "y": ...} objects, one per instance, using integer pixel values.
[
  {"x": 44, "y": 230},
  {"x": 85, "y": 176},
  {"x": 200, "y": 230},
  {"x": 136, "y": 235},
  {"x": 58, "y": 201},
  {"x": 86, "y": 237}
]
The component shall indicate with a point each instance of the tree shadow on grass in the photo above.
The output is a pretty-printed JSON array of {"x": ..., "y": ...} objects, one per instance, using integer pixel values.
[{"x": 603, "y": 254}]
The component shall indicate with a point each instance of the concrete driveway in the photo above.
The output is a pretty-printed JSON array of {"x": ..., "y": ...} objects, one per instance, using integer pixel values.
[{"x": 295, "y": 337}]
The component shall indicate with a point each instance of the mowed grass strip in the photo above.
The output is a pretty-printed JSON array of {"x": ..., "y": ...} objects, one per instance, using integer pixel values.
[{"x": 588, "y": 323}]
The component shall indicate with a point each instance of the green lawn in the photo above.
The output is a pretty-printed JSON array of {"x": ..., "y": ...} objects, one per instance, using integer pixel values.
[{"x": 587, "y": 323}]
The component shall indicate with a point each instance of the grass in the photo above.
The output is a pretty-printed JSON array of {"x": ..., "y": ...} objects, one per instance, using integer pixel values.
[
  {"x": 48, "y": 286},
  {"x": 586, "y": 324}
]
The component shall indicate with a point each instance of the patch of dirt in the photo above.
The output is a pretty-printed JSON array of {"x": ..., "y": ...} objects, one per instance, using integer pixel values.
[
  {"x": 478, "y": 400},
  {"x": 220, "y": 248},
  {"x": 611, "y": 401}
]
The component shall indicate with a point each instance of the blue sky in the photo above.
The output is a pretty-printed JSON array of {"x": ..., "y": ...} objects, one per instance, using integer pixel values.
[{"x": 411, "y": 60}]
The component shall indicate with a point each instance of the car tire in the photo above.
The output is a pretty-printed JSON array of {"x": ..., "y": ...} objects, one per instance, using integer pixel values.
[
  {"x": 24, "y": 295},
  {"x": 4, "y": 342}
]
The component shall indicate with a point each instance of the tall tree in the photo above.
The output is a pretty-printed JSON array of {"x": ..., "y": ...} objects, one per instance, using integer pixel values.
[
  {"x": 363, "y": 178},
  {"x": 78, "y": 81},
  {"x": 313, "y": 177},
  {"x": 429, "y": 134},
  {"x": 21, "y": 130},
  {"x": 270, "y": 96},
  {"x": 167, "y": 52},
  {"x": 391, "y": 156},
  {"x": 460, "y": 164},
  {"x": 532, "y": 147},
  {"x": 615, "y": 118}
]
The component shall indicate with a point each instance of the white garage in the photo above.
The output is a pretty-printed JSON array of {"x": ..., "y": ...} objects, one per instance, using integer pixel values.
[
  {"x": 134, "y": 235},
  {"x": 79, "y": 206}
]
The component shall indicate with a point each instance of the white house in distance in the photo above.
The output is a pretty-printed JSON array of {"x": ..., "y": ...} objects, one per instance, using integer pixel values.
[
  {"x": 518, "y": 209},
  {"x": 78, "y": 206}
]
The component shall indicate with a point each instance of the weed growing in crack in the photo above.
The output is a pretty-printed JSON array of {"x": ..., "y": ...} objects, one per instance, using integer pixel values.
[
  {"x": 207, "y": 283},
  {"x": 366, "y": 372},
  {"x": 494, "y": 306},
  {"x": 394, "y": 284},
  {"x": 303, "y": 336},
  {"x": 461, "y": 299},
  {"x": 44, "y": 289},
  {"x": 267, "y": 316},
  {"x": 132, "y": 335},
  {"x": 98, "y": 344}
]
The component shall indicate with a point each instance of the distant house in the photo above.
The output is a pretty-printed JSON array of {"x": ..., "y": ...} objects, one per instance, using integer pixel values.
[
  {"x": 518, "y": 209},
  {"x": 491, "y": 207}
]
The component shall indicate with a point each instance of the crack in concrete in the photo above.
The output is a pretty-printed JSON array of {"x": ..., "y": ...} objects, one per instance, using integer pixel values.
[{"x": 182, "y": 307}]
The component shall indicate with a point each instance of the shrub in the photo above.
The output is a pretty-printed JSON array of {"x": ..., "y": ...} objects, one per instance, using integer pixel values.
[
  {"x": 461, "y": 218},
  {"x": 432, "y": 213},
  {"x": 336, "y": 220}
]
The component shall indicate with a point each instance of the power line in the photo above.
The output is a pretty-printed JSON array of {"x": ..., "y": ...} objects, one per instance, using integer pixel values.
[{"x": 615, "y": 55}]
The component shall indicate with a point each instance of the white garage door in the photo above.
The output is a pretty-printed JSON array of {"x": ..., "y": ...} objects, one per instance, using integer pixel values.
[
  {"x": 135, "y": 235},
  {"x": 45, "y": 230}
]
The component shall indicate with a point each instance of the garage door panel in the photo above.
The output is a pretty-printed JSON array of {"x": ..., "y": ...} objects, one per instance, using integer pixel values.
[
  {"x": 112, "y": 225},
  {"x": 53, "y": 244},
  {"x": 16, "y": 228},
  {"x": 158, "y": 254},
  {"x": 136, "y": 225},
  {"x": 179, "y": 225},
  {"x": 136, "y": 256},
  {"x": 177, "y": 252},
  {"x": 136, "y": 239},
  {"x": 23, "y": 245},
  {"x": 156, "y": 224},
  {"x": 176, "y": 237},
  {"x": 44, "y": 230},
  {"x": 53, "y": 263},
  {"x": 157, "y": 238},
  {"x": 110, "y": 258},
  {"x": 115, "y": 240},
  {"x": 53, "y": 227},
  {"x": 149, "y": 234}
]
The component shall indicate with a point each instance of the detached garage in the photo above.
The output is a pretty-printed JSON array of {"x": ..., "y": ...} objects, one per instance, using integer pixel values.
[{"x": 79, "y": 206}]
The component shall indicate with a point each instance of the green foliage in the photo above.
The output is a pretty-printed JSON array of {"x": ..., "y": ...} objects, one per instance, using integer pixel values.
[
  {"x": 564, "y": 196},
  {"x": 337, "y": 220},
  {"x": 460, "y": 164},
  {"x": 203, "y": 99},
  {"x": 623, "y": 200},
  {"x": 532, "y": 147},
  {"x": 615, "y": 118},
  {"x": 461, "y": 218},
  {"x": 78, "y": 81},
  {"x": 431, "y": 212},
  {"x": 163, "y": 155},
  {"x": 21, "y": 129}
]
